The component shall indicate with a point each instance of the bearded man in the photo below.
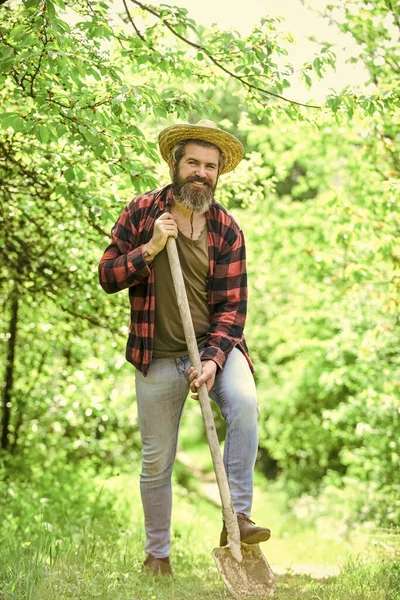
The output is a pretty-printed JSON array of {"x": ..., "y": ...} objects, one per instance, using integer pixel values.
[{"x": 212, "y": 254}]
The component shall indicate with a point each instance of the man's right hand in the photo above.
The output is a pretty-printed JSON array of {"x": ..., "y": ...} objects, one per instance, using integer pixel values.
[{"x": 164, "y": 227}]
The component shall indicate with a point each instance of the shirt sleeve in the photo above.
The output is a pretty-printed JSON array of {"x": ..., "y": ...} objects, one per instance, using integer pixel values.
[
  {"x": 122, "y": 264},
  {"x": 229, "y": 299}
]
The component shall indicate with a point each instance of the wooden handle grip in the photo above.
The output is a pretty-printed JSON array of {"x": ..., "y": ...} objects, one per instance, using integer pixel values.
[{"x": 190, "y": 337}]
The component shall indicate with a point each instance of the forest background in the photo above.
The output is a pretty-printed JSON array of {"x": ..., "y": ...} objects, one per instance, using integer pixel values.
[{"x": 84, "y": 92}]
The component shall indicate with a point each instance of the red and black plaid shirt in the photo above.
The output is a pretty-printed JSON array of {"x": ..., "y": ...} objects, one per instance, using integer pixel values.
[{"x": 124, "y": 266}]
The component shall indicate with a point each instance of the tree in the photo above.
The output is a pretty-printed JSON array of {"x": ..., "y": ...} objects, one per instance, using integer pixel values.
[
  {"x": 79, "y": 95},
  {"x": 327, "y": 300},
  {"x": 83, "y": 95}
]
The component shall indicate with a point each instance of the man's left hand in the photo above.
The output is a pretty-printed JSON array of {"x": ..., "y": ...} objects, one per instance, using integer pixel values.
[{"x": 207, "y": 376}]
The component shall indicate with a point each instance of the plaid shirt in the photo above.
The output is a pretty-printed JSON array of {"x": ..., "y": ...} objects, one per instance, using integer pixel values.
[{"x": 124, "y": 266}]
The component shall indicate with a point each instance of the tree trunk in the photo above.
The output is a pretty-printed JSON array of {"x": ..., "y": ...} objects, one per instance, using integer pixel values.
[{"x": 9, "y": 374}]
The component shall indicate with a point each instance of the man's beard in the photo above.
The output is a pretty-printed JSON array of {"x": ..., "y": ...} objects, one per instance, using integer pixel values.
[{"x": 197, "y": 199}]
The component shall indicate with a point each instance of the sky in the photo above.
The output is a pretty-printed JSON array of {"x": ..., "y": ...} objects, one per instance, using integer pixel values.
[{"x": 300, "y": 21}]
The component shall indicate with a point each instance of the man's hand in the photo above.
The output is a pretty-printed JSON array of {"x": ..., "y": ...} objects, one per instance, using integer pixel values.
[
  {"x": 207, "y": 376},
  {"x": 164, "y": 227}
]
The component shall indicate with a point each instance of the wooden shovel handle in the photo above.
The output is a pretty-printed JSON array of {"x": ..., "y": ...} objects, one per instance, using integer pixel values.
[{"x": 190, "y": 337}]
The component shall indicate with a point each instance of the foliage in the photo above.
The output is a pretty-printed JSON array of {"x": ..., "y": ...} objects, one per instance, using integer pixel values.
[
  {"x": 324, "y": 316},
  {"x": 83, "y": 93},
  {"x": 77, "y": 90},
  {"x": 321, "y": 221},
  {"x": 375, "y": 28},
  {"x": 322, "y": 226}
]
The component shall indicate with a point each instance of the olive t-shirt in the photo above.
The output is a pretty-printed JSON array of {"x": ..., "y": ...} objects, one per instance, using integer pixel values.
[{"x": 169, "y": 338}]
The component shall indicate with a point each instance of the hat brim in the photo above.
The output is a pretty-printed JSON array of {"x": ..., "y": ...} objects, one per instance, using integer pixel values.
[{"x": 230, "y": 146}]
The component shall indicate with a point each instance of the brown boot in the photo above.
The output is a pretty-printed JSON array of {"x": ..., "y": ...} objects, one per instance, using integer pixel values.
[
  {"x": 158, "y": 566},
  {"x": 250, "y": 533}
]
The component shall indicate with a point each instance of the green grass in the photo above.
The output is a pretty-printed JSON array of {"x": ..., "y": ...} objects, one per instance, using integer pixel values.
[{"x": 78, "y": 541}]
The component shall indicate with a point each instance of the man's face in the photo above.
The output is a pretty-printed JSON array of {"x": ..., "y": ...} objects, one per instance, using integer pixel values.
[{"x": 194, "y": 178}]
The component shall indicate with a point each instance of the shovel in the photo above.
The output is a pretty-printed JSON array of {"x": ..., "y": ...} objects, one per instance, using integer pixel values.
[{"x": 243, "y": 567}]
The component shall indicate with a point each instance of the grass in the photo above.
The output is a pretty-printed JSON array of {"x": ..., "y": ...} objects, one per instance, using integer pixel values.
[{"x": 89, "y": 545}]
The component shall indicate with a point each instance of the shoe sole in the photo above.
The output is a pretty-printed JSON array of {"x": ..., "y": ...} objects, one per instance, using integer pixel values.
[{"x": 256, "y": 538}]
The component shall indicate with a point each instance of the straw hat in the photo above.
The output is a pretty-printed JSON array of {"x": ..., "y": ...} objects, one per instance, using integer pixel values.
[{"x": 203, "y": 130}]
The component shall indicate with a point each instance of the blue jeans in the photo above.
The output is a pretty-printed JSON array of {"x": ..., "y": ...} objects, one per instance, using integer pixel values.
[{"x": 161, "y": 397}]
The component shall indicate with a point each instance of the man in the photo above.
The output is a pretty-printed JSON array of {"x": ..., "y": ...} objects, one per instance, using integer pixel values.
[{"x": 212, "y": 254}]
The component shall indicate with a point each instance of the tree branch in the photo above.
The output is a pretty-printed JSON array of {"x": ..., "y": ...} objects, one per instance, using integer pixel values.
[
  {"x": 240, "y": 78},
  {"x": 43, "y": 190},
  {"x": 132, "y": 22},
  {"x": 9, "y": 369},
  {"x": 39, "y": 65},
  {"x": 88, "y": 318},
  {"x": 22, "y": 404}
]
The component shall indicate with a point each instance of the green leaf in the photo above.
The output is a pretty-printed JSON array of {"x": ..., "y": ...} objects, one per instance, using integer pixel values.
[
  {"x": 61, "y": 129},
  {"x": 12, "y": 120},
  {"x": 308, "y": 80},
  {"x": 18, "y": 124},
  {"x": 42, "y": 133},
  {"x": 6, "y": 52},
  {"x": 6, "y": 64},
  {"x": 63, "y": 25},
  {"x": 116, "y": 109},
  {"x": 98, "y": 151},
  {"x": 141, "y": 59},
  {"x": 32, "y": 3},
  {"x": 95, "y": 73},
  {"x": 51, "y": 11},
  {"x": 61, "y": 190},
  {"x": 160, "y": 111},
  {"x": 69, "y": 174},
  {"x": 19, "y": 32},
  {"x": 103, "y": 31},
  {"x": 7, "y": 118},
  {"x": 92, "y": 139}
]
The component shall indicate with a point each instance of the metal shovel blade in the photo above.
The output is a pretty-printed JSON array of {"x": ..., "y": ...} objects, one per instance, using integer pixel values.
[{"x": 250, "y": 578}]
